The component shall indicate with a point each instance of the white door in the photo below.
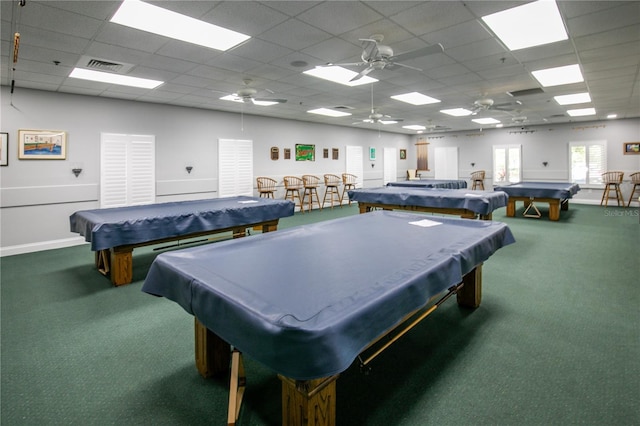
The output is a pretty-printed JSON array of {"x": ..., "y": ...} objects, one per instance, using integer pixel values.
[{"x": 235, "y": 167}]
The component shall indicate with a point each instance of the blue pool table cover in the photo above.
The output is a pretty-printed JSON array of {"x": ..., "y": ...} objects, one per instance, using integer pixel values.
[
  {"x": 559, "y": 190},
  {"x": 480, "y": 202},
  {"x": 431, "y": 183},
  {"x": 113, "y": 227},
  {"x": 305, "y": 301}
]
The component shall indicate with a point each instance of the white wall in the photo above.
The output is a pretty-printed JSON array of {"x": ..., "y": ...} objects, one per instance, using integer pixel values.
[{"x": 38, "y": 196}]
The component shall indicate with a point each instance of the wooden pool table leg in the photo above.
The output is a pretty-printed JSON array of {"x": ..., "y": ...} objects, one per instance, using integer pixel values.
[
  {"x": 121, "y": 265},
  {"x": 213, "y": 354},
  {"x": 511, "y": 207},
  {"x": 309, "y": 402},
  {"x": 554, "y": 209},
  {"x": 470, "y": 295}
]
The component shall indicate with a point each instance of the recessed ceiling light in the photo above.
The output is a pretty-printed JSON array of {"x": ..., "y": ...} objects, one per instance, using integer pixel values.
[
  {"x": 339, "y": 75},
  {"x": 499, "y": 125},
  {"x": 154, "y": 19},
  {"x": 415, "y": 98},
  {"x": 414, "y": 127},
  {"x": 388, "y": 121},
  {"x": 328, "y": 112},
  {"x": 559, "y": 75},
  {"x": 107, "y": 77},
  {"x": 485, "y": 121},
  {"x": 529, "y": 25},
  {"x": 581, "y": 112},
  {"x": 577, "y": 98},
  {"x": 612, "y": 116},
  {"x": 457, "y": 112},
  {"x": 236, "y": 98}
]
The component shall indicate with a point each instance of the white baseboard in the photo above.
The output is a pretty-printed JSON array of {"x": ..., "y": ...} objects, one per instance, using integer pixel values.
[{"x": 41, "y": 246}]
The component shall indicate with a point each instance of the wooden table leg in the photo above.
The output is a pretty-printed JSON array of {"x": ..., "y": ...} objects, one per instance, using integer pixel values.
[
  {"x": 121, "y": 265},
  {"x": 470, "y": 295},
  {"x": 554, "y": 209},
  {"x": 511, "y": 208},
  {"x": 213, "y": 354},
  {"x": 309, "y": 402}
]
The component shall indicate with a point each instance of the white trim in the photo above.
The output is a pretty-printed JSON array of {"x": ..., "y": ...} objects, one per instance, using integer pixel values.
[{"x": 41, "y": 246}]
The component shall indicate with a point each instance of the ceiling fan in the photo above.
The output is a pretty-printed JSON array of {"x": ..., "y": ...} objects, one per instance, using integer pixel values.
[
  {"x": 247, "y": 94},
  {"x": 435, "y": 127},
  {"x": 376, "y": 56},
  {"x": 484, "y": 104},
  {"x": 376, "y": 117}
]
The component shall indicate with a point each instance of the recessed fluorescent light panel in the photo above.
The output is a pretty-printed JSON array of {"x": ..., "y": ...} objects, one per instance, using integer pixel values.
[
  {"x": 529, "y": 25},
  {"x": 457, "y": 112},
  {"x": 328, "y": 112},
  {"x": 581, "y": 112},
  {"x": 577, "y": 98},
  {"x": 415, "y": 98},
  {"x": 414, "y": 127},
  {"x": 106, "y": 77},
  {"x": 559, "y": 75},
  {"x": 156, "y": 20},
  {"x": 339, "y": 75},
  {"x": 612, "y": 116},
  {"x": 235, "y": 98},
  {"x": 485, "y": 121}
]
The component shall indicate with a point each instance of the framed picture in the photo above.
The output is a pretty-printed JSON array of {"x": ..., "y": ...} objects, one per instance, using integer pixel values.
[
  {"x": 403, "y": 154},
  {"x": 42, "y": 145},
  {"x": 325, "y": 153},
  {"x": 275, "y": 152},
  {"x": 287, "y": 153},
  {"x": 372, "y": 153},
  {"x": 334, "y": 153},
  {"x": 631, "y": 148},
  {"x": 4, "y": 149},
  {"x": 305, "y": 152}
]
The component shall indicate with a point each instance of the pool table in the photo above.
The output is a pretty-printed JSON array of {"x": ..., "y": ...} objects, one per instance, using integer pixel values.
[{"x": 557, "y": 194}]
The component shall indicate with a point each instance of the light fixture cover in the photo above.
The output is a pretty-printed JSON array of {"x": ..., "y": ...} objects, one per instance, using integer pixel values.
[
  {"x": 339, "y": 75},
  {"x": 557, "y": 76},
  {"x": 107, "y": 77}
]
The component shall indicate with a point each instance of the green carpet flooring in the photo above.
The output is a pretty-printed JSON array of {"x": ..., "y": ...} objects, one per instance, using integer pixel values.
[{"x": 556, "y": 341}]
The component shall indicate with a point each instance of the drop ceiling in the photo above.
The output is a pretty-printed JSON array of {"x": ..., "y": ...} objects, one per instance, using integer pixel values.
[{"x": 289, "y": 37}]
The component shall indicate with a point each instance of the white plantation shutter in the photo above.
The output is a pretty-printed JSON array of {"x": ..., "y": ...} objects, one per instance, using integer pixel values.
[
  {"x": 390, "y": 166},
  {"x": 354, "y": 163},
  {"x": 235, "y": 167},
  {"x": 446, "y": 163},
  {"x": 588, "y": 160},
  {"x": 127, "y": 170}
]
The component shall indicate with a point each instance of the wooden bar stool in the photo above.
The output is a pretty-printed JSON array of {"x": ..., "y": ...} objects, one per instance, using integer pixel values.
[
  {"x": 292, "y": 186},
  {"x": 477, "y": 179},
  {"x": 348, "y": 182},
  {"x": 266, "y": 187},
  {"x": 331, "y": 183},
  {"x": 612, "y": 181},
  {"x": 635, "y": 180},
  {"x": 311, "y": 183}
]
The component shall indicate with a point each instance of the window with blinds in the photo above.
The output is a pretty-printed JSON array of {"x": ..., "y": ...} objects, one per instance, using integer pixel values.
[
  {"x": 507, "y": 164},
  {"x": 587, "y": 161},
  {"x": 127, "y": 170},
  {"x": 235, "y": 167}
]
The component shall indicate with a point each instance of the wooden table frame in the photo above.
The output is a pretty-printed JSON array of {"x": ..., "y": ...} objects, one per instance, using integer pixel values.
[
  {"x": 463, "y": 213},
  {"x": 117, "y": 262},
  {"x": 555, "y": 205},
  {"x": 306, "y": 402}
]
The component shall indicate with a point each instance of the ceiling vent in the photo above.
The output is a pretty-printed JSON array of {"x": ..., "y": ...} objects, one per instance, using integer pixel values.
[
  {"x": 101, "y": 64},
  {"x": 525, "y": 92},
  {"x": 339, "y": 107}
]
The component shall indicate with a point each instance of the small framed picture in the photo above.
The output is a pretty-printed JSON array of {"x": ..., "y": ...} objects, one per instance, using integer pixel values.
[
  {"x": 287, "y": 153},
  {"x": 4, "y": 149},
  {"x": 631, "y": 148},
  {"x": 334, "y": 153},
  {"x": 325, "y": 153},
  {"x": 42, "y": 145},
  {"x": 372, "y": 153},
  {"x": 403, "y": 154}
]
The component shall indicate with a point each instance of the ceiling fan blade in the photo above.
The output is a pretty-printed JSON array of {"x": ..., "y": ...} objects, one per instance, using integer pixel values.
[
  {"x": 280, "y": 101},
  {"x": 348, "y": 64},
  {"x": 404, "y": 66},
  {"x": 370, "y": 47},
  {"x": 362, "y": 73},
  {"x": 428, "y": 50}
]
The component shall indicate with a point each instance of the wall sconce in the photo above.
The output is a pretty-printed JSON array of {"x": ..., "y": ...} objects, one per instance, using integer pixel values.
[
  {"x": 76, "y": 171},
  {"x": 189, "y": 168},
  {"x": 473, "y": 164},
  {"x": 373, "y": 165},
  {"x": 544, "y": 163}
]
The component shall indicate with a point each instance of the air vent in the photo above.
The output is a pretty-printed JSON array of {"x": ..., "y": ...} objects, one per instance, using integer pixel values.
[
  {"x": 342, "y": 107},
  {"x": 557, "y": 116},
  {"x": 98, "y": 64},
  {"x": 526, "y": 92},
  {"x": 103, "y": 64}
]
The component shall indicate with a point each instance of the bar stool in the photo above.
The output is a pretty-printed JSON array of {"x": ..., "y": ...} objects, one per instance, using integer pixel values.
[
  {"x": 477, "y": 178},
  {"x": 349, "y": 182},
  {"x": 612, "y": 181},
  {"x": 635, "y": 180},
  {"x": 266, "y": 187},
  {"x": 292, "y": 186},
  {"x": 311, "y": 183},
  {"x": 331, "y": 183},
  {"x": 412, "y": 174}
]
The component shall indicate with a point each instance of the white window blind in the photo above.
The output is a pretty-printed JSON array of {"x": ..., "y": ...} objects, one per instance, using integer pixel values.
[
  {"x": 390, "y": 166},
  {"x": 354, "y": 163},
  {"x": 127, "y": 170},
  {"x": 235, "y": 167},
  {"x": 588, "y": 160}
]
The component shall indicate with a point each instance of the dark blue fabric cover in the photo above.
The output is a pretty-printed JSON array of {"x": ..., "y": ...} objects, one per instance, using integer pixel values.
[
  {"x": 107, "y": 228},
  {"x": 560, "y": 190},
  {"x": 305, "y": 301},
  {"x": 481, "y": 202},
  {"x": 431, "y": 183}
]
